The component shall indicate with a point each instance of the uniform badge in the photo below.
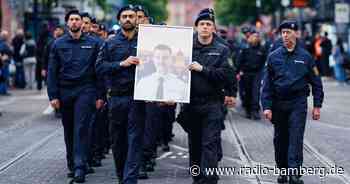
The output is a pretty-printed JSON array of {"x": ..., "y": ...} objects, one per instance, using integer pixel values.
[{"x": 86, "y": 46}]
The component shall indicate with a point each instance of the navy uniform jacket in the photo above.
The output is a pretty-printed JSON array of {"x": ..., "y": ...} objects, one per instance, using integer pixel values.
[
  {"x": 72, "y": 65},
  {"x": 251, "y": 59},
  {"x": 288, "y": 76},
  {"x": 112, "y": 53},
  {"x": 216, "y": 72},
  {"x": 230, "y": 89}
]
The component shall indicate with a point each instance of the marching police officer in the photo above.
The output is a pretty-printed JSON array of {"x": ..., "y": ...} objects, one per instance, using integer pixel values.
[
  {"x": 250, "y": 63},
  {"x": 289, "y": 72},
  {"x": 210, "y": 71},
  {"x": 74, "y": 88},
  {"x": 117, "y": 62}
]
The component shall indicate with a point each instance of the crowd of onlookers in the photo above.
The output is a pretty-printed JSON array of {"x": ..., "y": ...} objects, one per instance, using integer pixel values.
[{"x": 21, "y": 60}]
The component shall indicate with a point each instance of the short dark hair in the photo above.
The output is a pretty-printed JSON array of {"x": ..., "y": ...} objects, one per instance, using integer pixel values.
[
  {"x": 71, "y": 12},
  {"x": 162, "y": 47},
  {"x": 85, "y": 14}
]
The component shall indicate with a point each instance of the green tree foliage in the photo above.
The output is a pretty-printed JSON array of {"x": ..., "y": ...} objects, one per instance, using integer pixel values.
[
  {"x": 156, "y": 8},
  {"x": 238, "y": 11}
]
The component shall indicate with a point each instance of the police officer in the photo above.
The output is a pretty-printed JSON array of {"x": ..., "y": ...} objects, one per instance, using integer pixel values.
[
  {"x": 289, "y": 72},
  {"x": 74, "y": 87},
  {"x": 96, "y": 131},
  {"x": 210, "y": 71},
  {"x": 117, "y": 61},
  {"x": 250, "y": 63}
]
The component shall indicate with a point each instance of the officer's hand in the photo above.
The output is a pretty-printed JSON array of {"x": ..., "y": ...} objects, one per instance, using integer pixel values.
[
  {"x": 195, "y": 66},
  {"x": 238, "y": 77},
  {"x": 169, "y": 103},
  {"x": 99, "y": 104},
  {"x": 4, "y": 57},
  {"x": 316, "y": 113},
  {"x": 55, "y": 103},
  {"x": 230, "y": 101},
  {"x": 43, "y": 73},
  {"x": 132, "y": 60},
  {"x": 268, "y": 114}
]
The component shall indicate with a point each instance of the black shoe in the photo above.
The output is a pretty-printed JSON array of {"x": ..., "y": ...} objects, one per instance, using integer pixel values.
[
  {"x": 149, "y": 167},
  {"x": 256, "y": 116},
  {"x": 89, "y": 170},
  {"x": 295, "y": 180},
  {"x": 79, "y": 176},
  {"x": 96, "y": 163},
  {"x": 282, "y": 179},
  {"x": 70, "y": 174},
  {"x": 248, "y": 115},
  {"x": 165, "y": 148},
  {"x": 119, "y": 180},
  {"x": 142, "y": 173}
]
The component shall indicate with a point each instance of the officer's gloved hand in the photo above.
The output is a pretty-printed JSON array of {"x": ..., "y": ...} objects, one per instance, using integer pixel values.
[{"x": 268, "y": 114}]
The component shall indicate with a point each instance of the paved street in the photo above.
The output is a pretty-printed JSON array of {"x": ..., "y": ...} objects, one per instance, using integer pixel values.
[{"x": 32, "y": 147}]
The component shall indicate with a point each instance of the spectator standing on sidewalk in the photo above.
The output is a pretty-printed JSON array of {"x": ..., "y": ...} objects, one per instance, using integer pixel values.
[
  {"x": 326, "y": 46},
  {"x": 338, "y": 56},
  {"x": 27, "y": 51},
  {"x": 289, "y": 72},
  {"x": 17, "y": 43}
]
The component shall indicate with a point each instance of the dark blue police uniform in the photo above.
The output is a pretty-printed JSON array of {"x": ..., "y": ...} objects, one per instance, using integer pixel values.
[
  {"x": 73, "y": 81},
  {"x": 251, "y": 62},
  {"x": 126, "y": 116},
  {"x": 285, "y": 91},
  {"x": 204, "y": 114}
]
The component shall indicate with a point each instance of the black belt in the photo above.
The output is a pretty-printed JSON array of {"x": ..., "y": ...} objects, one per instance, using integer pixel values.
[
  {"x": 114, "y": 92},
  {"x": 206, "y": 99}
]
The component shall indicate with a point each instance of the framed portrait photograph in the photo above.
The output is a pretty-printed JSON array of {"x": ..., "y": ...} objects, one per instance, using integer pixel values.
[{"x": 165, "y": 53}]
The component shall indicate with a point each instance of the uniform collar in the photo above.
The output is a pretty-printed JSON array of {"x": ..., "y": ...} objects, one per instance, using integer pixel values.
[
  {"x": 285, "y": 50},
  {"x": 82, "y": 37},
  {"x": 198, "y": 45},
  {"x": 122, "y": 37}
]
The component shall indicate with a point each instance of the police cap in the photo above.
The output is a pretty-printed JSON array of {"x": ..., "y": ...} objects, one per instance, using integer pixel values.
[
  {"x": 125, "y": 8},
  {"x": 288, "y": 24},
  {"x": 205, "y": 16},
  {"x": 141, "y": 8}
]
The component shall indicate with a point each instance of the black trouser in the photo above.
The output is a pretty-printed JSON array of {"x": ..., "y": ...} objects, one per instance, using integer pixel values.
[
  {"x": 152, "y": 130},
  {"x": 204, "y": 138},
  {"x": 289, "y": 118},
  {"x": 252, "y": 83},
  {"x": 126, "y": 121},
  {"x": 78, "y": 113}
]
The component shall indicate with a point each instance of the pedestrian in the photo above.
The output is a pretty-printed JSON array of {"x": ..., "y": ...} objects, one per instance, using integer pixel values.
[
  {"x": 338, "y": 56},
  {"x": 6, "y": 55},
  {"x": 210, "y": 72},
  {"x": 250, "y": 64},
  {"x": 28, "y": 50},
  {"x": 326, "y": 46},
  {"x": 43, "y": 39},
  {"x": 289, "y": 71},
  {"x": 75, "y": 89},
  {"x": 116, "y": 61},
  {"x": 17, "y": 43}
]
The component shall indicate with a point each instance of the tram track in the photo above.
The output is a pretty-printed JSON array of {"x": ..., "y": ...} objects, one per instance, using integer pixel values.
[
  {"x": 326, "y": 162},
  {"x": 4, "y": 166}
]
